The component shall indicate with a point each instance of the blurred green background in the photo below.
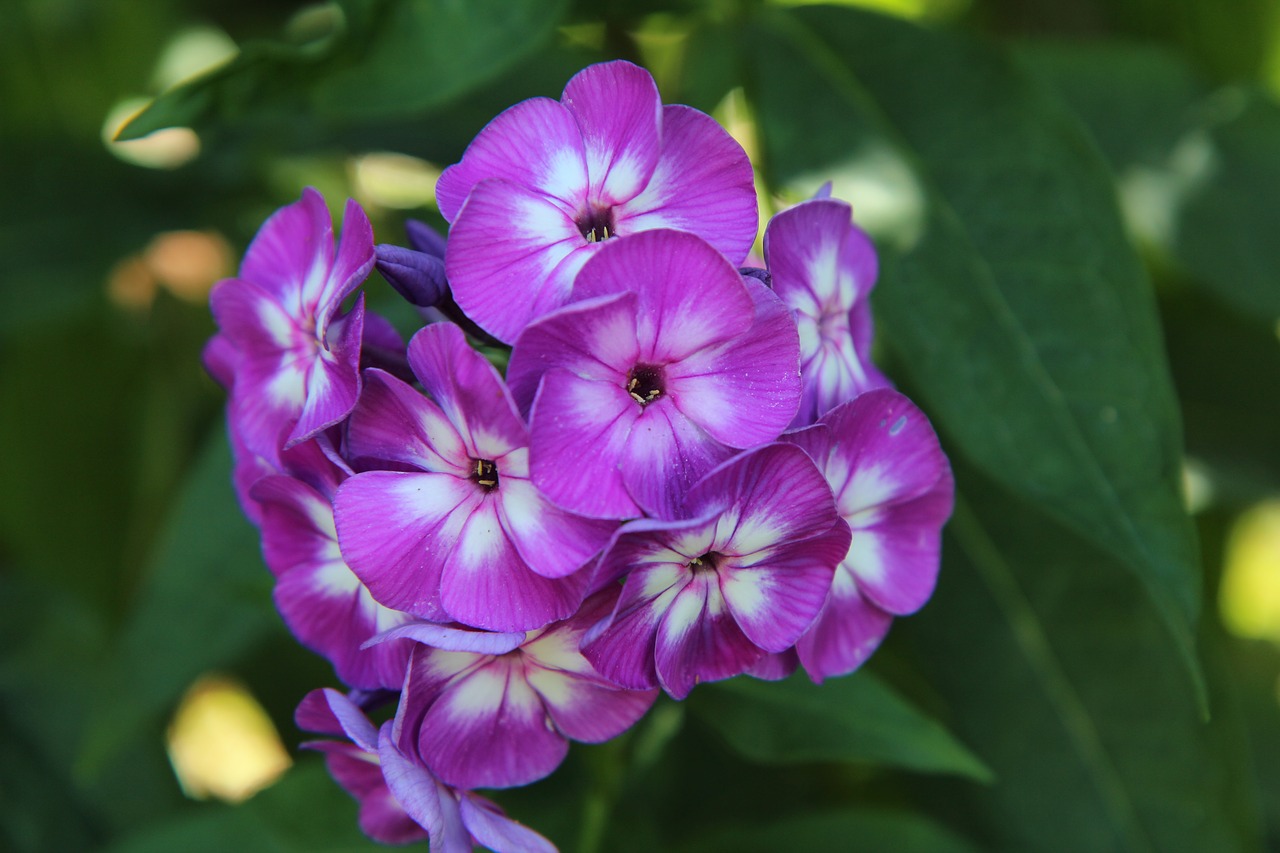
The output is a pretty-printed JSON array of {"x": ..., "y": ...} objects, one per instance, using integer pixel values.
[{"x": 1038, "y": 703}]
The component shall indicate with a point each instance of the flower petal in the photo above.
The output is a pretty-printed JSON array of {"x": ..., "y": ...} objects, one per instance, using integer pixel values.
[
  {"x": 513, "y": 255},
  {"x": 491, "y": 827},
  {"x": 745, "y": 391},
  {"x": 351, "y": 266},
  {"x": 536, "y": 144},
  {"x": 381, "y": 816},
  {"x": 397, "y": 532},
  {"x": 422, "y": 796},
  {"x": 619, "y": 112},
  {"x": 703, "y": 183},
  {"x": 698, "y": 639},
  {"x": 488, "y": 729},
  {"x": 292, "y": 248},
  {"x": 333, "y": 378},
  {"x": 569, "y": 415},
  {"x": 394, "y": 423},
  {"x": 553, "y": 542},
  {"x": 848, "y": 629},
  {"x": 328, "y": 712},
  {"x": 666, "y": 453}
]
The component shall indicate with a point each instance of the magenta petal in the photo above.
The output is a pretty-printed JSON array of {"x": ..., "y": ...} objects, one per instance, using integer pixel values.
[
  {"x": 467, "y": 389},
  {"x": 381, "y": 816},
  {"x": 535, "y": 144},
  {"x": 490, "y": 827},
  {"x": 351, "y": 266},
  {"x": 688, "y": 296},
  {"x": 485, "y": 583},
  {"x": 293, "y": 245},
  {"x": 848, "y": 629},
  {"x": 397, "y": 531},
  {"x": 776, "y": 598},
  {"x": 762, "y": 366},
  {"x": 703, "y": 184},
  {"x": 775, "y": 666},
  {"x": 698, "y": 640},
  {"x": 328, "y": 712},
  {"x": 553, "y": 542},
  {"x": 665, "y": 455},
  {"x": 297, "y": 523},
  {"x": 896, "y": 559},
  {"x": 504, "y": 284},
  {"x": 394, "y": 423},
  {"x": 594, "y": 338},
  {"x": 429, "y": 803},
  {"x": 452, "y": 639},
  {"x": 488, "y": 729},
  {"x": 618, "y": 110},
  {"x": 570, "y": 414},
  {"x": 333, "y": 380}
]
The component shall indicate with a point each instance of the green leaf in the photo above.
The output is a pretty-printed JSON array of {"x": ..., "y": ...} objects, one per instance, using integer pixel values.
[
  {"x": 1054, "y": 665},
  {"x": 856, "y": 718},
  {"x": 1018, "y": 308},
  {"x": 206, "y": 601},
  {"x": 1197, "y": 167},
  {"x": 851, "y": 831},
  {"x": 380, "y": 58}
]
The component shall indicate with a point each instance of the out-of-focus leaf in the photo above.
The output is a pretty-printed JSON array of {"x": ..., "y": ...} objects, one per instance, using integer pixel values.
[
  {"x": 206, "y": 600},
  {"x": 856, "y": 718},
  {"x": 382, "y": 58},
  {"x": 853, "y": 831},
  {"x": 1198, "y": 167},
  {"x": 1017, "y": 306},
  {"x": 1056, "y": 668},
  {"x": 305, "y": 811}
]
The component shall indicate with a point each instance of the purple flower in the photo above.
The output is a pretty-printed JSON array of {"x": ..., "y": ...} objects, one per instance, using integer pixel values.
[
  {"x": 894, "y": 488},
  {"x": 296, "y": 361},
  {"x": 546, "y": 182},
  {"x": 705, "y": 598},
  {"x": 824, "y": 267},
  {"x": 489, "y": 717},
  {"x": 670, "y": 361},
  {"x": 321, "y": 600},
  {"x": 457, "y": 531},
  {"x": 401, "y": 800}
]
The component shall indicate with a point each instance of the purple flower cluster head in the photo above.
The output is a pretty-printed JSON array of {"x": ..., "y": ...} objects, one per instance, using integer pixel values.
[{"x": 690, "y": 471}]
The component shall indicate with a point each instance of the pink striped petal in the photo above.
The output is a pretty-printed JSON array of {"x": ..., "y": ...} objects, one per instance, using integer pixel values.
[
  {"x": 593, "y": 338},
  {"x": 513, "y": 255},
  {"x": 618, "y": 110},
  {"x": 554, "y": 543},
  {"x": 381, "y": 816},
  {"x": 569, "y": 415},
  {"x": 665, "y": 454},
  {"x": 745, "y": 391},
  {"x": 328, "y": 712},
  {"x": 623, "y": 651},
  {"x": 698, "y": 639},
  {"x": 397, "y": 532},
  {"x": 432, "y": 805},
  {"x": 896, "y": 559},
  {"x": 468, "y": 390},
  {"x": 351, "y": 266},
  {"x": 848, "y": 629},
  {"x": 485, "y": 582},
  {"x": 394, "y": 423},
  {"x": 293, "y": 246},
  {"x": 535, "y": 143},
  {"x": 703, "y": 183},
  {"x": 688, "y": 296},
  {"x": 490, "y": 730},
  {"x": 333, "y": 378}
]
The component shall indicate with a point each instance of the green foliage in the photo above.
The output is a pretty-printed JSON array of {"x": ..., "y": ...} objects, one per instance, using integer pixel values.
[{"x": 1065, "y": 224}]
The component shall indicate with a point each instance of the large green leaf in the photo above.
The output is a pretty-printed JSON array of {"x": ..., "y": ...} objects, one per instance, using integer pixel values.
[
  {"x": 1198, "y": 166},
  {"x": 1054, "y": 666},
  {"x": 380, "y": 58},
  {"x": 851, "y": 831},
  {"x": 845, "y": 719},
  {"x": 1011, "y": 295}
]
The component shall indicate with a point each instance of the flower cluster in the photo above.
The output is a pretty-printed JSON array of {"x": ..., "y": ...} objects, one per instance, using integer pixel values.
[{"x": 690, "y": 471}]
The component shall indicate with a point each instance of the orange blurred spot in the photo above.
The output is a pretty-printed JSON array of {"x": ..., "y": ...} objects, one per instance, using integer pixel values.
[{"x": 188, "y": 263}]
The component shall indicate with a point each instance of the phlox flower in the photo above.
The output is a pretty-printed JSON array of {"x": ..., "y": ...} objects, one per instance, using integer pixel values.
[
  {"x": 401, "y": 801},
  {"x": 823, "y": 267},
  {"x": 547, "y": 182},
  {"x": 670, "y": 360},
  {"x": 455, "y": 531},
  {"x": 894, "y": 488},
  {"x": 293, "y": 360},
  {"x": 482, "y": 715},
  {"x": 321, "y": 600},
  {"x": 741, "y": 576}
]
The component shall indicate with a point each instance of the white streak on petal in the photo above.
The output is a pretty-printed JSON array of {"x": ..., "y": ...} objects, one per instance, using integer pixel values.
[
  {"x": 866, "y": 558},
  {"x": 481, "y": 692}
]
